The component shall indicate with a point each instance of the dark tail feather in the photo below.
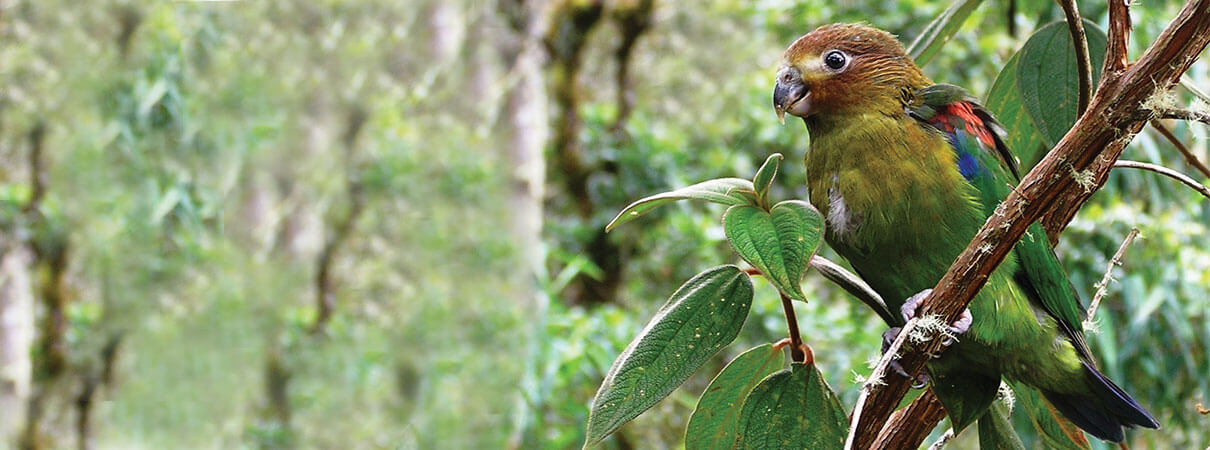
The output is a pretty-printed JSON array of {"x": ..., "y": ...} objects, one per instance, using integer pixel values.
[{"x": 1105, "y": 412}]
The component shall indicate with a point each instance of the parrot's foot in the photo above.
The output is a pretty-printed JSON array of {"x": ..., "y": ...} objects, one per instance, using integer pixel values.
[
  {"x": 911, "y": 307},
  {"x": 888, "y": 337},
  {"x": 909, "y": 310}
]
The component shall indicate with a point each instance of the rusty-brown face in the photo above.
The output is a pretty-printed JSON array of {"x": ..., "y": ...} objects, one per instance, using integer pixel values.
[{"x": 838, "y": 67}]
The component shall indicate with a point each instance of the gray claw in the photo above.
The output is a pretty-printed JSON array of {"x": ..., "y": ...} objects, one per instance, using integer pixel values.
[
  {"x": 911, "y": 306},
  {"x": 888, "y": 337}
]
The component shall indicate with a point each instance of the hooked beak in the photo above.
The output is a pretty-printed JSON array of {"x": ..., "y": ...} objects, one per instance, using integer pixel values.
[{"x": 791, "y": 95}]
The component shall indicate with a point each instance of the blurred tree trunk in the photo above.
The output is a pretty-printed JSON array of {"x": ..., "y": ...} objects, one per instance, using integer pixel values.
[
  {"x": 527, "y": 122},
  {"x": 566, "y": 37},
  {"x": 16, "y": 334},
  {"x": 634, "y": 18}
]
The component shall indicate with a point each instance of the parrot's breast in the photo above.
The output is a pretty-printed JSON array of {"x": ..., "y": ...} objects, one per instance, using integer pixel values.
[{"x": 896, "y": 206}]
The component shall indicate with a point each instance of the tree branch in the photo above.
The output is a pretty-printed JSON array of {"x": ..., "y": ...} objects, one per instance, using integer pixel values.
[
  {"x": 1183, "y": 114},
  {"x": 1201, "y": 189},
  {"x": 1118, "y": 37},
  {"x": 1075, "y": 25},
  {"x": 1103, "y": 286},
  {"x": 911, "y": 425},
  {"x": 1156, "y": 71},
  {"x": 1057, "y": 186},
  {"x": 1180, "y": 147}
]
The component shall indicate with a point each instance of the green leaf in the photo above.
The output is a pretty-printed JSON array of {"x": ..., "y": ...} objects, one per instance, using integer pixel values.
[
  {"x": 940, "y": 30},
  {"x": 715, "y": 421},
  {"x": 1056, "y": 431},
  {"x": 996, "y": 431},
  {"x": 965, "y": 395},
  {"x": 727, "y": 191},
  {"x": 701, "y": 317},
  {"x": 764, "y": 177},
  {"x": 1004, "y": 101},
  {"x": 793, "y": 408},
  {"x": 779, "y": 242},
  {"x": 1047, "y": 79}
]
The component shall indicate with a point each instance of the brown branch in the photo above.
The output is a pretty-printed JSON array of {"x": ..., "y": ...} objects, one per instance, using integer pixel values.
[
  {"x": 325, "y": 290},
  {"x": 1181, "y": 147},
  {"x": 1118, "y": 37},
  {"x": 908, "y": 427},
  {"x": 1156, "y": 71},
  {"x": 1103, "y": 286},
  {"x": 1075, "y": 26},
  {"x": 1057, "y": 186},
  {"x": 1183, "y": 114},
  {"x": 1188, "y": 181}
]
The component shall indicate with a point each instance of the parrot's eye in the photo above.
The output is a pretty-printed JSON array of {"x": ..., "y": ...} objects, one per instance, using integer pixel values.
[{"x": 835, "y": 60}]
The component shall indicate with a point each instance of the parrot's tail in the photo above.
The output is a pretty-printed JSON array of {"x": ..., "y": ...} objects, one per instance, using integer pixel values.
[{"x": 1105, "y": 411}]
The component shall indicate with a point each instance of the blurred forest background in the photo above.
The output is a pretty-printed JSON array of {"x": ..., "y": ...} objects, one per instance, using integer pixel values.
[{"x": 327, "y": 224}]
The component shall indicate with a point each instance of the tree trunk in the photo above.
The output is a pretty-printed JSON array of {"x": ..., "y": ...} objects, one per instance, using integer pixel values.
[
  {"x": 16, "y": 335},
  {"x": 528, "y": 132}
]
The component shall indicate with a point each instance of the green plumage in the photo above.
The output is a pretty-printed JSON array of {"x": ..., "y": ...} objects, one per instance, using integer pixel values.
[{"x": 906, "y": 172}]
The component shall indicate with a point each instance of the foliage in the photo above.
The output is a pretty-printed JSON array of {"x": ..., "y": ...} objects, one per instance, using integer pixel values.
[
  {"x": 194, "y": 162},
  {"x": 1037, "y": 91}
]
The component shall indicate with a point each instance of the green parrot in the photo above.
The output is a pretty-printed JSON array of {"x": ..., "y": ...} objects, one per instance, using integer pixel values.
[{"x": 905, "y": 172}]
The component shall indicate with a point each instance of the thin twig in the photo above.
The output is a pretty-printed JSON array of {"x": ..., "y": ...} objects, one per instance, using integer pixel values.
[
  {"x": 1187, "y": 83},
  {"x": 1075, "y": 25},
  {"x": 1188, "y": 181},
  {"x": 1181, "y": 147},
  {"x": 1183, "y": 114},
  {"x": 796, "y": 352},
  {"x": 1103, "y": 286}
]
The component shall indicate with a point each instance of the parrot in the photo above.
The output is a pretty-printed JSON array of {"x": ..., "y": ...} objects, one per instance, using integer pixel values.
[{"x": 905, "y": 171}]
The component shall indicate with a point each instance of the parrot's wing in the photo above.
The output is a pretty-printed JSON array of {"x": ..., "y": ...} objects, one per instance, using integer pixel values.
[{"x": 986, "y": 162}]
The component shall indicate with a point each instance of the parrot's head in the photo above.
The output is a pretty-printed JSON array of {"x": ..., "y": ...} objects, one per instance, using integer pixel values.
[{"x": 844, "y": 68}]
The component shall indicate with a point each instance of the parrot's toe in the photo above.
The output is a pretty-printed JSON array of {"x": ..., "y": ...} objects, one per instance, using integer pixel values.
[
  {"x": 888, "y": 337},
  {"x": 911, "y": 307}
]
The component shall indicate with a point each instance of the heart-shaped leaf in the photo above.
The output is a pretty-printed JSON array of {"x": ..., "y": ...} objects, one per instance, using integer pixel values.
[
  {"x": 940, "y": 30},
  {"x": 1047, "y": 79},
  {"x": 793, "y": 408},
  {"x": 715, "y": 421},
  {"x": 1004, "y": 101},
  {"x": 764, "y": 177},
  {"x": 701, "y": 317},
  {"x": 727, "y": 191},
  {"x": 779, "y": 242}
]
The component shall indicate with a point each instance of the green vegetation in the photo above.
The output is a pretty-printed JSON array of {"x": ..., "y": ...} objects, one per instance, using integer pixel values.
[{"x": 307, "y": 224}]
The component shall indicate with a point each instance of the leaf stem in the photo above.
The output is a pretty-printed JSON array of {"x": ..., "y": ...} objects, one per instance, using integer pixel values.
[
  {"x": 796, "y": 352},
  {"x": 1075, "y": 26}
]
